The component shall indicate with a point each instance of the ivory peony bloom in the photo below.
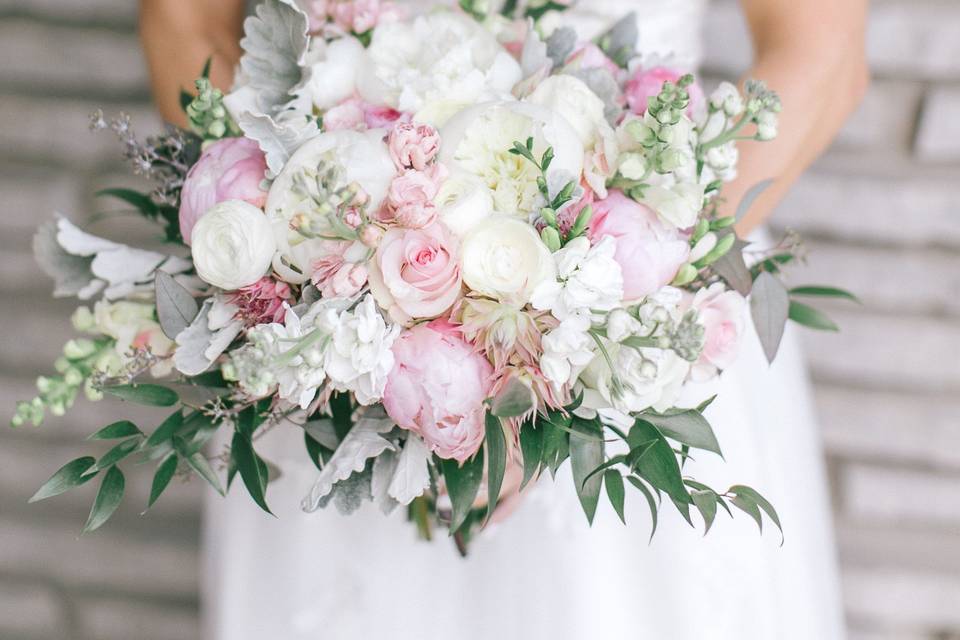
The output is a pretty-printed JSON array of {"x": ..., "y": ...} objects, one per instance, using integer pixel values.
[
  {"x": 437, "y": 388},
  {"x": 364, "y": 159},
  {"x": 505, "y": 259},
  {"x": 232, "y": 245},
  {"x": 648, "y": 251},
  {"x": 443, "y": 58},
  {"x": 228, "y": 169},
  {"x": 334, "y": 68},
  {"x": 478, "y": 140}
]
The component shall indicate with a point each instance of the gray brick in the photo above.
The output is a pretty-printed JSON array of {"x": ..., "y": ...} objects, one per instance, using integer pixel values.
[
  {"x": 938, "y": 135},
  {"x": 889, "y": 427},
  {"x": 103, "y": 560},
  {"x": 907, "y": 549},
  {"x": 31, "y": 194},
  {"x": 888, "y": 352},
  {"x": 115, "y": 12},
  {"x": 907, "y": 210},
  {"x": 860, "y": 633},
  {"x": 30, "y": 610},
  {"x": 901, "y": 496},
  {"x": 118, "y": 619},
  {"x": 894, "y": 599},
  {"x": 66, "y": 59},
  {"x": 884, "y": 120}
]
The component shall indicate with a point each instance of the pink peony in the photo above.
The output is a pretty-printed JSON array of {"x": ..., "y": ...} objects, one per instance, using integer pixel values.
[
  {"x": 437, "y": 388},
  {"x": 413, "y": 146},
  {"x": 261, "y": 302},
  {"x": 647, "y": 83},
  {"x": 649, "y": 252},
  {"x": 357, "y": 115},
  {"x": 416, "y": 272},
  {"x": 229, "y": 169},
  {"x": 722, "y": 313},
  {"x": 410, "y": 197}
]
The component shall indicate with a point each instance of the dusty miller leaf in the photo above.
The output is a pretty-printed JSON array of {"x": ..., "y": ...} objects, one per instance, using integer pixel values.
[
  {"x": 364, "y": 441},
  {"x": 620, "y": 41},
  {"x": 176, "y": 307},
  {"x": 384, "y": 468},
  {"x": 769, "y": 306},
  {"x": 605, "y": 86},
  {"x": 71, "y": 274},
  {"x": 560, "y": 45},
  {"x": 278, "y": 138},
  {"x": 412, "y": 475},
  {"x": 198, "y": 346},
  {"x": 275, "y": 45},
  {"x": 350, "y": 494}
]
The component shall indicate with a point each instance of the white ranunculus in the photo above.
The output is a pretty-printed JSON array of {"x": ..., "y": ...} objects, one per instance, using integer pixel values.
[
  {"x": 588, "y": 279},
  {"x": 647, "y": 378},
  {"x": 232, "y": 245},
  {"x": 679, "y": 204},
  {"x": 478, "y": 141},
  {"x": 505, "y": 259},
  {"x": 364, "y": 158},
  {"x": 334, "y": 68},
  {"x": 442, "y": 57},
  {"x": 464, "y": 201}
]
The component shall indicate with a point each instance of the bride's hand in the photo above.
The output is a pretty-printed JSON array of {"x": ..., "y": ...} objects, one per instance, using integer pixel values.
[{"x": 179, "y": 36}]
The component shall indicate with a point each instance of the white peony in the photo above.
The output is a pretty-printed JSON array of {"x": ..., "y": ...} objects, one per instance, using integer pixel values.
[
  {"x": 334, "y": 68},
  {"x": 442, "y": 57},
  {"x": 478, "y": 141},
  {"x": 678, "y": 204},
  {"x": 232, "y": 245},
  {"x": 364, "y": 158},
  {"x": 359, "y": 358},
  {"x": 464, "y": 201},
  {"x": 567, "y": 350},
  {"x": 572, "y": 99},
  {"x": 505, "y": 259},
  {"x": 645, "y": 378},
  {"x": 588, "y": 279}
]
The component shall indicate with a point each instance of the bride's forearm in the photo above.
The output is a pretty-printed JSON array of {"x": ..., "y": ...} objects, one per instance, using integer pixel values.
[
  {"x": 814, "y": 58},
  {"x": 179, "y": 36}
]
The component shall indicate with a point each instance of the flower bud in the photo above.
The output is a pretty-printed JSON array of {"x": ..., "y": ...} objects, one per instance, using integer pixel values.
[
  {"x": 79, "y": 349},
  {"x": 73, "y": 377},
  {"x": 633, "y": 166},
  {"x": 685, "y": 275},
  {"x": 703, "y": 246},
  {"x": 82, "y": 319},
  {"x": 551, "y": 238},
  {"x": 371, "y": 235}
]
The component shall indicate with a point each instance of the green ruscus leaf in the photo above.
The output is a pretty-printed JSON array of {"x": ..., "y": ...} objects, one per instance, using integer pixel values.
[
  {"x": 463, "y": 484},
  {"x": 531, "y": 447},
  {"x": 252, "y": 469},
  {"x": 495, "y": 444},
  {"x": 70, "y": 475},
  {"x": 107, "y": 500},
  {"x": 162, "y": 477},
  {"x": 615, "y": 491},
  {"x": 122, "y": 429},
  {"x": 148, "y": 394},
  {"x": 769, "y": 306},
  {"x": 811, "y": 317},
  {"x": 586, "y": 454}
]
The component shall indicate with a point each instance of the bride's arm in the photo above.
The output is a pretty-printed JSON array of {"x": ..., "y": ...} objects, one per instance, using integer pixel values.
[
  {"x": 811, "y": 52},
  {"x": 179, "y": 36}
]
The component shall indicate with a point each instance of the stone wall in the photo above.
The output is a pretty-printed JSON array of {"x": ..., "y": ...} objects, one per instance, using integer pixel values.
[{"x": 880, "y": 211}]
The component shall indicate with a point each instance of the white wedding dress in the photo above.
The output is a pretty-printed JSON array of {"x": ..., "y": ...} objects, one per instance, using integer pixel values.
[{"x": 543, "y": 573}]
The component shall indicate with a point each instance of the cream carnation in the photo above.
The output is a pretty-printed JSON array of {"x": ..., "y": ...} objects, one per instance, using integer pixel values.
[
  {"x": 505, "y": 259},
  {"x": 232, "y": 245}
]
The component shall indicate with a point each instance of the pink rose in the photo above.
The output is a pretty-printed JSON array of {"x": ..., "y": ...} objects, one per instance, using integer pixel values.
[
  {"x": 410, "y": 197},
  {"x": 649, "y": 252},
  {"x": 647, "y": 83},
  {"x": 416, "y": 272},
  {"x": 722, "y": 314},
  {"x": 413, "y": 146},
  {"x": 437, "y": 388},
  {"x": 229, "y": 169}
]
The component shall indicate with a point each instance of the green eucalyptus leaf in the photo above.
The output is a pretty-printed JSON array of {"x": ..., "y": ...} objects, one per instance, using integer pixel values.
[
  {"x": 315, "y": 450},
  {"x": 199, "y": 463},
  {"x": 149, "y": 394},
  {"x": 586, "y": 454},
  {"x": 810, "y": 317},
  {"x": 531, "y": 447},
  {"x": 556, "y": 445},
  {"x": 615, "y": 491},
  {"x": 116, "y": 454},
  {"x": 733, "y": 268},
  {"x": 252, "y": 469},
  {"x": 167, "y": 429},
  {"x": 688, "y": 427},
  {"x": 749, "y": 507},
  {"x": 176, "y": 307},
  {"x": 139, "y": 201},
  {"x": 73, "y": 474},
  {"x": 749, "y": 494},
  {"x": 463, "y": 484},
  {"x": 706, "y": 503},
  {"x": 824, "y": 292},
  {"x": 107, "y": 500},
  {"x": 495, "y": 444},
  {"x": 122, "y": 429},
  {"x": 651, "y": 502},
  {"x": 658, "y": 463},
  {"x": 769, "y": 306},
  {"x": 162, "y": 477}
]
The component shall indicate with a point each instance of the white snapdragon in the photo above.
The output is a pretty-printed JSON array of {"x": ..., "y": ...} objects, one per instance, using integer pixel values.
[
  {"x": 726, "y": 97},
  {"x": 639, "y": 379},
  {"x": 359, "y": 357},
  {"x": 567, "y": 350},
  {"x": 588, "y": 279}
]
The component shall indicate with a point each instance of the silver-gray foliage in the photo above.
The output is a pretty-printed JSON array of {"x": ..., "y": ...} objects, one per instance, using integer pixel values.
[
  {"x": 275, "y": 46},
  {"x": 769, "y": 306}
]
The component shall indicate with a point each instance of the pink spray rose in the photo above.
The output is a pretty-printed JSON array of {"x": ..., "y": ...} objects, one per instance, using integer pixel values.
[
  {"x": 416, "y": 272},
  {"x": 410, "y": 197},
  {"x": 649, "y": 252},
  {"x": 358, "y": 16},
  {"x": 229, "y": 169},
  {"x": 722, "y": 313},
  {"x": 413, "y": 146},
  {"x": 334, "y": 275},
  {"x": 437, "y": 388},
  {"x": 647, "y": 83}
]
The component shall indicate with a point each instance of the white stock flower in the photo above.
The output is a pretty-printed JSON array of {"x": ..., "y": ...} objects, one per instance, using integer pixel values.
[
  {"x": 464, "y": 201},
  {"x": 365, "y": 160},
  {"x": 567, "y": 350},
  {"x": 334, "y": 68},
  {"x": 767, "y": 125},
  {"x": 645, "y": 378},
  {"x": 678, "y": 204},
  {"x": 621, "y": 325},
  {"x": 359, "y": 358},
  {"x": 478, "y": 141},
  {"x": 441, "y": 57},
  {"x": 588, "y": 279},
  {"x": 727, "y": 98},
  {"x": 232, "y": 245},
  {"x": 505, "y": 259},
  {"x": 722, "y": 160}
]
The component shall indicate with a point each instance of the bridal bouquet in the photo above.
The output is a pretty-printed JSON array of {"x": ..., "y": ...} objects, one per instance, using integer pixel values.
[{"x": 454, "y": 250}]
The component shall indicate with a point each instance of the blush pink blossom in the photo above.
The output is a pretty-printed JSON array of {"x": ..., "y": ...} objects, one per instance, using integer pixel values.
[
  {"x": 358, "y": 16},
  {"x": 590, "y": 56},
  {"x": 410, "y": 197},
  {"x": 437, "y": 388},
  {"x": 722, "y": 313},
  {"x": 413, "y": 146},
  {"x": 357, "y": 115},
  {"x": 335, "y": 276},
  {"x": 416, "y": 272},
  {"x": 261, "y": 302},
  {"x": 647, "y": 83},
  {"x": 649, "y": 252},
  {"x": 229, "y": 169}
]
